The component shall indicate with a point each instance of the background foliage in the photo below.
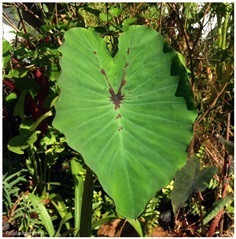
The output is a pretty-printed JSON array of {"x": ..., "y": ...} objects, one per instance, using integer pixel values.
[{"x": 37, "y": 162}]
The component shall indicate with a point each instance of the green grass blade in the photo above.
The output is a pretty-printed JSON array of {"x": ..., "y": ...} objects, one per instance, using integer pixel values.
[
  {"x": 67, "y": 217},
  {"x": 43, "y": 213},
  {"x": 61, "y": 208},
  {"x": 103, "y": 220},
  {"x": 217, "y": 206}
]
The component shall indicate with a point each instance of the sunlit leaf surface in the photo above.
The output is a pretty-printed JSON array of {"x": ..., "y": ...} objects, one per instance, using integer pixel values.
[{"x": 122, "y": 113}]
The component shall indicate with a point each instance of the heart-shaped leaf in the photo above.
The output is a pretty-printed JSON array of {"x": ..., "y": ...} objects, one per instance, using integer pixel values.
[
  {"x": 122, "y": 113},
  {"x": 189, "y": 180}
]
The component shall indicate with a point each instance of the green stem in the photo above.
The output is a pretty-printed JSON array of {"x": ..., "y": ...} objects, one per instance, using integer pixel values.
[
  {"x": 34, "y": 165},
  {"x": 87, "y": 203},
  {"x": 40, "y": 173},
  {"x": 39, "y": 120},
  {"x": 78, "y": 182},
  {"x": 219, "y": 32},
  {"x": 224, "y": 32}
]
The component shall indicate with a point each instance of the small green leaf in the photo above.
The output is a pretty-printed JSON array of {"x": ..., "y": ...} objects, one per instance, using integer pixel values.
[
  {"x": 11, "y": 97},
  {"x": 6, "y": 47},
  {"x": 54, "y": 72},
  {"x": 190, "y": 180},
  {"x": 45, "y": 8},
  {"x": 46, "y": 28},
  {"x": 21, "y": 142},
  {"x": 115, "y": 11},
  {"x": 127, "y": 22},
  {"x": 25, "y": 126},
  {"x": 181, "y": 58},
  {"x": 12, "y": 74},
  {"x": 104, "y": 16},
  {"x": 6, "y": 55},
  {"x": 48, "y": 139},
  {"x": 17, "y": 144}
]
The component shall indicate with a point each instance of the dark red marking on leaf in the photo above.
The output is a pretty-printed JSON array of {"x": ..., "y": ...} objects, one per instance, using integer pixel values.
[
  {"x": 119, "y": 129},
  {"x": 128, "y": 51},
  {"x": 110, "y": 87},
  {"x": 112, "y": 92},
  {"x": 118, "y": 116},
  {"x": 104, "y": 73},
  {"x": 121, "y": 85},
  {"x": 116, "y": 97}
]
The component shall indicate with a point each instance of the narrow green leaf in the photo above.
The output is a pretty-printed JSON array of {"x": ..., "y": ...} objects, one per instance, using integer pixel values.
[
  {"x": 19, "y": 109},
  {"x": 45, "y": 8},
  {"x": 67, "y": 217},
  {"x": 61, "y": 208},
  {"x": 103, "y": 220},
  {"x": 43, "y": 213},
  {"x": 217, "y": 206}
]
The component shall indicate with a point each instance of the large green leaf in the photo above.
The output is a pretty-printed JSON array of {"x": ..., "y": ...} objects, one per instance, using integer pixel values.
[{"x": 123, "y": 114}]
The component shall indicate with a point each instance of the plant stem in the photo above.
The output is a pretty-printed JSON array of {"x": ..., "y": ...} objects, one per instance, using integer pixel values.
[
  {"x": 224, "y": 32},
  {"x": 87, "y": 202},
  {"x": 39, "y": 120},
  {"x": 33, "y": 167},
  {"x": 78, "y": 182}
]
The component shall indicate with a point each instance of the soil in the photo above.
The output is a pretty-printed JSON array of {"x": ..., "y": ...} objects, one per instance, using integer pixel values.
[{"x": 117, "y": 228}]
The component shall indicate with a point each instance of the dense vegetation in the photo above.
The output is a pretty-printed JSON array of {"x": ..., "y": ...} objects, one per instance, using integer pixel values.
[{"x": 43, "y": 177}]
